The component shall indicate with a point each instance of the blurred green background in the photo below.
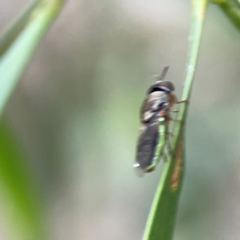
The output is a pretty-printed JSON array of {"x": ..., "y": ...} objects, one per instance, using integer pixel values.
[{"x": 75, "y": 119}]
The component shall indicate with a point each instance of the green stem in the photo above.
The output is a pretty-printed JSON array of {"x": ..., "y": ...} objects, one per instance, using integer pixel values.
[
  {"x": 198, "y": 15},
  {"x": 161, "y": 220}
]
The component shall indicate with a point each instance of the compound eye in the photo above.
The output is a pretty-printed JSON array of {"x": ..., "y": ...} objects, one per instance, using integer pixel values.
[{"x": 167, "y": 84}]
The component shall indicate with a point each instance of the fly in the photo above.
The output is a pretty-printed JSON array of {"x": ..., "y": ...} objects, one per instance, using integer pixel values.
[{"x": 154, "y": 117}]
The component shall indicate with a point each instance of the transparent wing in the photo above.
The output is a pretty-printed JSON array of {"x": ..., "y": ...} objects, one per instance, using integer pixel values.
[
  {"x": 147, "y": 142},
  {"x": 151, "y": 144}
]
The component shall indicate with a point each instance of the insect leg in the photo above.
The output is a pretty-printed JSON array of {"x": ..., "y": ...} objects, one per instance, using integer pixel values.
[
  {"x": 170, "y": 134},
  {"x": 182, "y": 101},
  {"x": 174, "y": 120},
  {"x": 161, "y": 141},
  {"x": 164, "y": 157},
  {"x": 169, "y": 147}
]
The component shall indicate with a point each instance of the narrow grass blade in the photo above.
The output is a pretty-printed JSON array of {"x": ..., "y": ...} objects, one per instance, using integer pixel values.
[
  {"x": 14, "y": 29},
  {"x": 18, "y": 54},
  {"x": 17, "y": 191},
  {"x": 161, "y": 221},
  {"x": 232, "y": 10}
]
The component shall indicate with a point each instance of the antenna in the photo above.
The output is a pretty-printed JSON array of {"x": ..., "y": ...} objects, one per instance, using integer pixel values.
[{"x": 163, "y": 74}]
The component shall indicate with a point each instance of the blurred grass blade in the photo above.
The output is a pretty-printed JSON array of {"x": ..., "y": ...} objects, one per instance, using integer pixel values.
[
  {"x": 12, "y": 30},
  {"x": 161, "y": 221},
  {"x": 17, "y": 191},
  {"x": 18, "y": 54},
  {"x": 232, "y": 9},
  {"x": 20, "y": 205}
]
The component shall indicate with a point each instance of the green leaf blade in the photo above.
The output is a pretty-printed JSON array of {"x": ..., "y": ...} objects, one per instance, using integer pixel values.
[
  {"x": 15, "y": 59},
  {"x": 232, "y": 10},
  {"x": 19, "y": 198},
  {"x": 161, "y": 221},
  {"x": 14, "y": 29},
  {"x": 18, "y": 194}
]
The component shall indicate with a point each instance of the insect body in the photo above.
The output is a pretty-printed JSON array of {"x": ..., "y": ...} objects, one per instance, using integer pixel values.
[{"x": 154, "y": 116}]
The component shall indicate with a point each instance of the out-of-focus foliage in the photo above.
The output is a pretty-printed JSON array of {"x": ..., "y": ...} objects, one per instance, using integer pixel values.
[
  {"x": 232, "y": 10},
  {"x": 17, "y": 43},
  {"x": 14, "y": 28},
  {"x": 76, "y": 111},
  {"x": 20, "y": 202}
]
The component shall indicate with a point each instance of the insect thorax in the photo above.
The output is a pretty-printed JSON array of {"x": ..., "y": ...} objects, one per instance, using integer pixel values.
[
  {"x": 155, "y": 102},
  {"x": 158, "y": 96}
]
